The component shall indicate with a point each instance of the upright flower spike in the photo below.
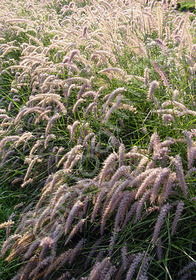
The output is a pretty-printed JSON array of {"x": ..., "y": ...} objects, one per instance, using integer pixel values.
[
  {"x": 146, "y": 76},
  {"x": 153, "y": 86}
]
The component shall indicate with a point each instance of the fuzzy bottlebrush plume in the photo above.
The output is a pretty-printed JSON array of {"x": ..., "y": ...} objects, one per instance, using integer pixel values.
[
  {"x": 144, "y": 267},
  {"x": 138, "y": 258},
  {"x": 113, "y": 69},
  {"x": 154, "y": 143},
  {"x": 97, "y": 271},
  {"x": 175, "y": 95},
  {"x": 25, "y": 137},
  {"x": 43, "y": 116},
  {"x": 121, "y": 152},
  {"x": 7, "y": 157},
  {"x": 177, "y": 103},
  {"x": 187, "y": 268},
  {"x": 6, "y": 225},
  {"x": 70, "y": 156},
  {"x": 44, "y": 216},
  {"x": 67, "y": 256},
  {"x": 8, "y": 139},
  {"x": 191, "y": 149},
  {"x": 167, "y": 187},
  {"x": 110, "y": 274},
  {"x": 130, "y": 214},
  {"x": 159, "y": 249},
  {"x": 75, "y": 229},
  {"x": 163, "y": 212},
  {"x": 128, "y": 198},
  {"x": 113, "y": 108},
  {"x": 122, "y": 171},
  {"x": 111, "y": 96},
  {"x": 167, "y": 118},
  {"x": 141, "y": 165},
  {"x": 5, "y": 117},
  {"x": 31, "y": 249},
  {"x": 90, "y": 107},
  {"x": 7, "y": 244},
  {"x": 40, "y": 266},
  {"x": 78, "y": 79},
  {"x": 34, "y": 148},
  {"x": 72, "y": 214},
  {"x": 146, "y": 77},
  {"x": 153, "y": 86},
  {"x": 72, "y": 54},
  {"x": 180, "y": 174},
  {"x": 72, "y": 129},
  {"x": 48, "y": 138},
  {"x": 51, "y": 122},
  {"x": 55, "y": 236},
  {"x": 68, "y": 92},
  {"x": 87, "y": 139},
  {"x": 109, "y": 209},
  {"x": 161, "y": 73},
  {"x": 124, "y": 256},
  {"x": 48, "y": 98},
  {"x": 18, "y": 248},
  {"x": 188, "y": 139},
  {"x": 24, "y": 111},
  {"x": 112, "y": 241},
  {"x": 59, "y": 262},
  {"x": 98, "y": 203},
  {"x": 31, "y": 164},
  {"x": 179, "y": 209},
  {"x": 118, "y": 190},
  {"x": 110, "y": 160},
  {"x": 57, "y": 204},
  {"x": 76, "y": 250},
  {"x": 73, "y": 156},
  {"x": 92, "y": 94},
  {"x": 139, "y": 178},
  {"x": 48, "y": 189},
  {"x": 158, "y": 181},
  {"x": 140, "y": 204},
  {"x": 148, "y": 181},
  {"x": 191, "y": 171},
  {"x": 59, "y": 151},
  {"x": 78, "y": 102}
]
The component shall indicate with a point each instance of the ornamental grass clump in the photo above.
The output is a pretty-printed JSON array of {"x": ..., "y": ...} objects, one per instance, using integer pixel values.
[
  {"x": 65, "y": 212},
  {"x": 97, "y": 140}
]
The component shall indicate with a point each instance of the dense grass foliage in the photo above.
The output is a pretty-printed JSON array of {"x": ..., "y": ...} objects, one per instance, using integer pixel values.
[
  {"x": 97, "y": 140},
  {"x": 185, "y": 5}
]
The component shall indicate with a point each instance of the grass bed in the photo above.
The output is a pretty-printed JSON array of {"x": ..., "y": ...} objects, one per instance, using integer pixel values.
[{"x": 97, "y": 140}]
